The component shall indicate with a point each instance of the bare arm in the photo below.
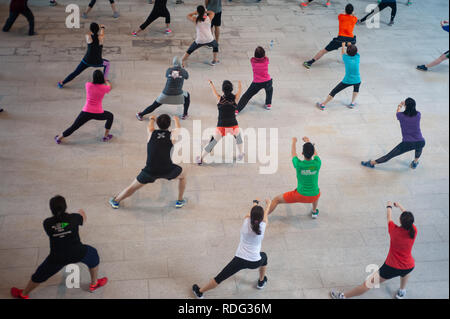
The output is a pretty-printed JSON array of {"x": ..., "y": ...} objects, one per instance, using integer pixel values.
[
  {"x": 213, "y": 88},
  {"x": 102, "y": 34},
  {"x": 88, "y": 38},
  {"x": 210, "y": 14},
  {"x": 399, "y": 206},
  {"x": 239, "y": 91},
  {"x": 343, "y": 48},
  {"x": 266, "y": 211},
  {"x": 108, "y": 83},
  {"x": 83, "y": 214},
  {"x": 151, "y": 127},
  {"x": 176, "y": 131},
  {"x": 294, "y": 147},
  {"x": 192, "y": 16},
  {"x": 400, "y": 106},
  {"x": 389, "y": 212}
]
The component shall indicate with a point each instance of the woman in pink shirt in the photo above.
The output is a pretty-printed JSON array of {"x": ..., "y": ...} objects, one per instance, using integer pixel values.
[
  {"x": 261, "y": 80},
  {"x": 93, "y": 110}
]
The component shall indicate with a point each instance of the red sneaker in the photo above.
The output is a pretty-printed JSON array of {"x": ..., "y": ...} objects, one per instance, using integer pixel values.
[
  {"x": 304, "y": 4},
  {"x": 17, "y": 293},
  {"x": 100, "y": 283}
]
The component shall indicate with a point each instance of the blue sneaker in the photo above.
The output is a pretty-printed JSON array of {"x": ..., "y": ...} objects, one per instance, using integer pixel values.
[
  {"x": 180, "y": 203},
  {"x": 113, "y": 203},
  {"x": 60, "y": 85},
  {"x": 413, "y": 165},
  {"x": 367, "y": 164}
]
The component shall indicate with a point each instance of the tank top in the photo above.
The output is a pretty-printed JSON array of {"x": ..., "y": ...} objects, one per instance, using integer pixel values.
[
  {"x": 204, "y": 34},
  {"x": 227, "y": 112},
  {"x": 94, "y": 52},
  {"x": 158, "y": 153}
]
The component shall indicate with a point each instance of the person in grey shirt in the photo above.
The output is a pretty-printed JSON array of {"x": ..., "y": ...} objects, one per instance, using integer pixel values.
[
  {"x": 216, "y": 7},
  {"x": 173, "y": 91}
]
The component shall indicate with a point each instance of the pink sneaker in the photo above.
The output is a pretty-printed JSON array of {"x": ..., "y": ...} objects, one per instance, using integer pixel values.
[
  {"x": 134, "y": 34},
  {"x": 268, "y": 106},
  {"x": 168, "y": 31}
]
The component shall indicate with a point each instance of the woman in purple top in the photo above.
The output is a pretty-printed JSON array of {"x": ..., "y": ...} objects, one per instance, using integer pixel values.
[{"x": 412, "y": 136}]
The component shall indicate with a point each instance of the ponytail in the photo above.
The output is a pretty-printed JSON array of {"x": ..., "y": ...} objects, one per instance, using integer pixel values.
[
  {"x": 407, "y": 222},
  {"x": 256, "y": 217},
  {"x": 201, "y": 14},
  {"x": 58, "y": 206}
]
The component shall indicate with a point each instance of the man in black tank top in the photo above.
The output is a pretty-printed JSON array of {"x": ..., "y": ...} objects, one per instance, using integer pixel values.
[{"x": 159, "y": 163}]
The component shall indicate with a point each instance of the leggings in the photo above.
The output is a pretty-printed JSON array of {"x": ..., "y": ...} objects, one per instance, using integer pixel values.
[
  {"x": 341, "y": 86},
  {"x": 155, "y": 105},
  {"x": 224, "y": 130},
  {"x": 401, "y": 148},
  {"x": 382, "y": 6},
  {"x": 237, "y": 264},
  {"x": 83, "y": 66},
  {"x": 155, "y": 14},
  {"x": 253, "y": 89},
  {"x": 13, "y": 16},
  {"x": 92, "y": 3},
  {"x": 84, "y": 117}
]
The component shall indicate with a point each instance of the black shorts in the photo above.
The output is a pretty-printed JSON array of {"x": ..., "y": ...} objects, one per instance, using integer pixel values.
[
  {"x": 194, "y": 46},
  {"x": 217, "y": 20},
  {"x": 388, "y": 272},
  {"x": 336, "y": 43},
  {"x": 48, "y": 268},
  {"x": 146, "y": 177},
  {"x": 237, "y": 264}
]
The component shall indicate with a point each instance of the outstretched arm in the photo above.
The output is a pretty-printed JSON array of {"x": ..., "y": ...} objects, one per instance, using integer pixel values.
[
  {"x": 400, "y": 106},
  {"x": 151, "y": 127},
  {"x": 399, "y": 206},
  {"x": 343, "y": 48},
  {"x": 266, "y": 211},
  {"x": 210, "y": 14},
  {"x": 389, "y": 212},
  {"x": 239, "y": 91},
  {"x": 192, "y": 16},
  {"x": 294, "y": 147},
  {"x": 213, "y": 88},
  {"x": 83, "y": 214},
  {"x": 176, "y": 131}
]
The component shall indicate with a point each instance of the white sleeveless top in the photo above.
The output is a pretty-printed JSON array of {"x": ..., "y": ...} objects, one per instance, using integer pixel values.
[
  {"x": 204, "y": 34},
  {"x": 250, "y": 244}
]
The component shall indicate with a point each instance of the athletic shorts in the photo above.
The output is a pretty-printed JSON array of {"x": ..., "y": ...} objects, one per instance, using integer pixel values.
[
  {"x": 388, "y": 272},
  {"x": 336, "y": 43},
  {"x": 296, "y": 197},
  {"x": 237, "y": 264},
  {"x": 217, "y": 20},
  {"x": 146, "y": 177},
  {"x": 194, "y": 46},
  {"x": 234, "y": 130},
  {"x": 48, "y": 268}
]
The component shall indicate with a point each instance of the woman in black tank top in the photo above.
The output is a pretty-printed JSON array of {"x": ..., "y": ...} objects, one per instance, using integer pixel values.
[
  {"x": 93, "y": 56},
  {"x": 227, "y": 122}
]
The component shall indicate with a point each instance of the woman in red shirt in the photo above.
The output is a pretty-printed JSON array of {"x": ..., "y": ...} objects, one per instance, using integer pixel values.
[{"x": 399, "y": 261}]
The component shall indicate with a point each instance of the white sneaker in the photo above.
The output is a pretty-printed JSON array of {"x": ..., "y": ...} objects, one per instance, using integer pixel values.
[
  {"x": 337, "y": 295},
  {"x": 401, "y": 293},
  {"x": 240, "y": 156}
]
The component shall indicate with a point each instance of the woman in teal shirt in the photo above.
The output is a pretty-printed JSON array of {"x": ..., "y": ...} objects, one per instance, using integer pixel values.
[{"x": 352, "y": 76}]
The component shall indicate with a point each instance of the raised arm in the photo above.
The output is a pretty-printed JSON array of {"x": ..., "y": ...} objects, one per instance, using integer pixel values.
[
  {"x": 389, "y": 212},
  {"x": 400, "y": 106},
  {"x": 213, "y": 88},
  {"x": 294, "y": 147},
  {"x": 399, "y": 206},
  {"x": 108, "y": 84},
  {"x": 266, "y": 211},
  {"x": 83, "y": 214},
  {"x": 210, "y": 14},
  {"x": 343, "y": 48},
  {"x": 192, "y": 16},
  {"x": 176, "y": 131},
  {"x": 151, "y": 127},
  {"x": 102, "y": 34},
  {"x": 239, "y": 91}
]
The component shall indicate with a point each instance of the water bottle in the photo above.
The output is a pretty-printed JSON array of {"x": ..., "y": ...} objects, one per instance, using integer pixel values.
[{"x": 271, "y": 44}]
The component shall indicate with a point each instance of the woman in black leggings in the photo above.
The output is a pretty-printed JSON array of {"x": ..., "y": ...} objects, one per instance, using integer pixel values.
[
  {"x": 159, "y": 11},
  {"x": 91, "y": 5},
  {"x": 412, "y": 135},
  {"x": 93, "y": 110},
  {"x": 383, "y": 4},
  {"x": 248, "y": 254}
]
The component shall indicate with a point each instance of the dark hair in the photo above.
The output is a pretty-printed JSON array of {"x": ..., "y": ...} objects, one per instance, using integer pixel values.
[
  {"x": 352, "y": 50},
  {"x": 98, "y": 77},
  {"x": 308, "y": 150},
  {"x": 256, "y": 217},
  {"x": 201, "y": 12},
  {"x": 94, "y": 28},
  {"x": 410, "y": 107},
  {"x": 227, "y": 88},
  {"x": 163, "y": 121},
  {"x": 407, "y": 221},
  {"x": 349, "y": 8},
  {"x": 259, "y": 52},
  {"x": 58, "y": 206}
]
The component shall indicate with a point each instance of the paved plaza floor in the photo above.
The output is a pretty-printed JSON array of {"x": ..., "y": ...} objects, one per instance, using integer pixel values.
[{"x": 148, "y": 248}]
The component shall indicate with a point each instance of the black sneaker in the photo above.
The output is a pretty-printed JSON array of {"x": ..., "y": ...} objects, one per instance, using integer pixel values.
[
  {"x": 307, "y": 64},
  {"x": 262, "y": 284},
  {"x": 422, "y": 67},
  {"x": 391, "y": 23},
  {"x": 197, "y": 293}
]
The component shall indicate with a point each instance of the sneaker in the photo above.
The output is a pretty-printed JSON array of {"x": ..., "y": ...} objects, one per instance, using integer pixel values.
[
  {"x": 116, "y": 14},
  {"x": 213, "y": 63},
  {"x": 367, "y": 164},
  {"x": 315, "y": 214},
  {"x": 352, "y": 105},
  {"x": 52, "y": 3},
  {"x": 168, "y": 31},
  {"x": 100, "y": 283},
  {"x": 198, "y": 160},
  {"x": 328, "y": 4},
  {"x": 268, "y": 106},
  {"x": 134, "y": 34},
  {"x": 184, "y": 116},
  {"x": 337, "y": 295},
  {"x": 391, "y": 23},
  {"x": 320, "y": 106},
  {"x": 17, "y": 293},
  {"x": 422, "y": 67},
  {"x": 401, "y": 293},
  {"x": 236, "y": 112},
  {"x": 57, "y": 140},
  {"x": 113, "y": 203},
  {"x": 60, "y": 85},
  {"x": 107, "y": 138},
  {"x": 307, "y": 65},
  {"x": 240, "y": 157},
  {"x": 139, "y": 117},
  {"x": 304, "y": 4},
  {"x": 409, "y": 3},
  {"x": 197, "y": 293},
  {"x": 413, "y": 165},
  {"x": 84, "y": 15},
  {"x": 180, "y": 203},
  {"x": 262, "y": 284}
]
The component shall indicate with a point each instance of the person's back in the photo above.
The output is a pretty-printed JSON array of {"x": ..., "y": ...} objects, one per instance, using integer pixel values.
[
  {"x": 227, "y": 112},
  {"x": 401, "y": 245},
  {"x": 160, "y": 4},
  {"x": 94, "y": 50},
  {"x": 410, "y": 126},
  {"x": 175, "y": 80},
  {"x": 347, "y": 24},
  {"x": 308, "y": 175},
  {"x": 250, "y": 243},
  {"x": 352, "y": 75},
  {"x": 204, "y": 33},
  {"x": 260, "y": 68},
  {"x": 159, "y": 146},
  {"x": 94, "y": 97}
]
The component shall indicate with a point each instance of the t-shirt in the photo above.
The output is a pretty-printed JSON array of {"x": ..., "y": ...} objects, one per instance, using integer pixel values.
[
  {"x": 352, "y": 75},
  {"x": 250, "y": 244},
  {"x": 347, "y": 23},
  {"x": 227, "y": 113},
  {"x": 410, "y": 126},
  {"x": 260, "y": 69},
  {"x": 204, "y": 34},
  {"x": 214, "y": 6},
  {"x": 307, "y": 175},
  {"x": 94, "y": 97},
  {"x": 65, "y": 244},
  {"x": 399, "y": 255},
  {"x": 159, "y": 147},
  {"x": 175, "y": 80}
]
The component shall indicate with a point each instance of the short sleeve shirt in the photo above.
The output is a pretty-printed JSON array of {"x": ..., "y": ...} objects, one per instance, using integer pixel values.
[
  {"x": 307, "y": 175},
  {"x": 352, "y": 75},
  {"x": 94, "y": 97},
  {"x": 401, "y": 245}
]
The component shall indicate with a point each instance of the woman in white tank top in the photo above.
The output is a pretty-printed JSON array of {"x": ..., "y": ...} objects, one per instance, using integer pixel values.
[{"x": 204, "y": 36}]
